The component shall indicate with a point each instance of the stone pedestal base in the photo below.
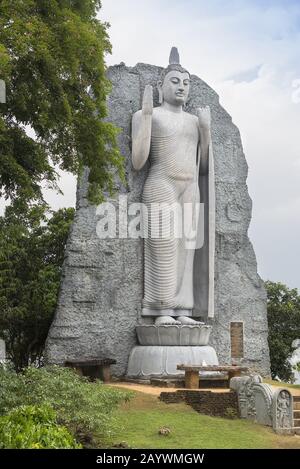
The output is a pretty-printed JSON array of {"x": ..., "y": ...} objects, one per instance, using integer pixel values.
[{"x": 161, "y": 361}]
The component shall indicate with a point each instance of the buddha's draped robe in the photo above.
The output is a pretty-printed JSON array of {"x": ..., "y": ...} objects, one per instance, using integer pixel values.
[{"x": 172, "y": 179}]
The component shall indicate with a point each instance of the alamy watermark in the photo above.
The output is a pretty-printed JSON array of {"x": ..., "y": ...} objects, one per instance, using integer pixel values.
[{"x": 162, "y": 221}]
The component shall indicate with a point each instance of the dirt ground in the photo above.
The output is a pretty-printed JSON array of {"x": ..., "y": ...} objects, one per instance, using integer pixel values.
[{"x": 156, "y": 390}]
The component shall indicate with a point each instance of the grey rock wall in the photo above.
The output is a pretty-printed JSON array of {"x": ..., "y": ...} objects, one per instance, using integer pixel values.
[{"x": 102, "y": 283}]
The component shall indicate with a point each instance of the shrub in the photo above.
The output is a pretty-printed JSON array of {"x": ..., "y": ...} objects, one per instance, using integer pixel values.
[
  {"x": 34, "y": 427},
  {"x": 85, "y": 408}
]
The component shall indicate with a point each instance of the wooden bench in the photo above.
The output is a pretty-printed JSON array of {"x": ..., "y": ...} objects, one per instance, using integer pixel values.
[
  {"x": 192, "y": 372},
  {"x": 93, "y": 368}
]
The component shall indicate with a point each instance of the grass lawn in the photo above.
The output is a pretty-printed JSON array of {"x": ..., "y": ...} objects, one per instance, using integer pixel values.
[{"x": 141, "y": 418}]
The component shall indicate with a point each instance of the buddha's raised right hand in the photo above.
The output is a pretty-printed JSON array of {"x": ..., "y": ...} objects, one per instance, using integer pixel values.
[
  {"x": 147, "y": 107},
  {"x": 204, "y": 117},
  {"x": 141, "y": 130}
]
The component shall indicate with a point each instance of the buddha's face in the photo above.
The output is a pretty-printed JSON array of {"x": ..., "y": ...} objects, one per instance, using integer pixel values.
[{"x": 175, "y": 88}]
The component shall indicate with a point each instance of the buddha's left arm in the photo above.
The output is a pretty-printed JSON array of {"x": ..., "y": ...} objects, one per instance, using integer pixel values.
[
  {"x": 204, "y": 122},
  {"x": 204, "y": 149}
]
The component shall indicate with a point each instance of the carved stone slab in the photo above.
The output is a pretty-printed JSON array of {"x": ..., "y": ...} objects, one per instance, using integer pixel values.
[{"x": 282, "y": 411}]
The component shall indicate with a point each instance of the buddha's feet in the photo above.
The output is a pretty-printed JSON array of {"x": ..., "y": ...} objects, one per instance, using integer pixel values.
[
  {"x": 162, "y": 320},
  {"x": 185, "y": 320}
]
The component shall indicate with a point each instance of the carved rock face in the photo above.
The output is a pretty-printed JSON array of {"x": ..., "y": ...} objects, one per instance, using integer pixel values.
[{"x": 102, "y": 283}]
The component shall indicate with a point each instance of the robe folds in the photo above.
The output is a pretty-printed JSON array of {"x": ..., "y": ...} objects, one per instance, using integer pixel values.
[{"x": 178, "y": 280}]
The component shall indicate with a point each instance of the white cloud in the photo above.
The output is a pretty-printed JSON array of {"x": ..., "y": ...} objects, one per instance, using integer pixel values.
[
  {"x": 269, "y": 125},
  {"x": 216, "y": 39}
]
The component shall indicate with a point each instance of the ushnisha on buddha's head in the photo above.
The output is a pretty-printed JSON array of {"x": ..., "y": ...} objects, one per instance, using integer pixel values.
[{"x": 174, "y": 84}]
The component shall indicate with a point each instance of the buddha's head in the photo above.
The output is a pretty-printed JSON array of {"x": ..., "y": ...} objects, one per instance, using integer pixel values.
[{"x": 174, "y": 83}]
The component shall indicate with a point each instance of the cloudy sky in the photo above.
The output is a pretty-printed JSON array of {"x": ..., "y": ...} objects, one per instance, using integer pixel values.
[{"x": 248, "y": 51}]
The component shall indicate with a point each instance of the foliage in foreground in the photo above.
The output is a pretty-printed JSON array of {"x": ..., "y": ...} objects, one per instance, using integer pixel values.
[
  {"x": 85, "y": 408},
  {"x": 34, "y": 427},
  {"x": 284, "y": 327},
  {"x": 31, "y": 256}
]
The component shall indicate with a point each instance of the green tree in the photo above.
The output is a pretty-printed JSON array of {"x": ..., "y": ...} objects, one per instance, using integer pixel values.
[
  {"x": 31, "y": 257},
  {"x": 52, "y": 60},
  {"x": 34, "y": 427},
  {"x": 284, "y": 327}
]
